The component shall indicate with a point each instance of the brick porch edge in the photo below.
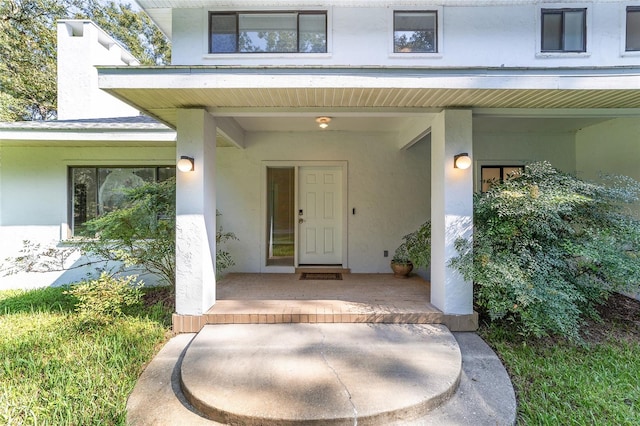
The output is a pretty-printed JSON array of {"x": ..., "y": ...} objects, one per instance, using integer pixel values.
[{"x": 195, "y": 323}]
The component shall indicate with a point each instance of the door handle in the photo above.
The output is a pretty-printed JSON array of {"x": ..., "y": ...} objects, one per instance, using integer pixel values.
[{"x": 301, "y": 220}]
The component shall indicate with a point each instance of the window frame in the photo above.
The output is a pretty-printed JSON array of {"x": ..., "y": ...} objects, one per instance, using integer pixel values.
[
  {"x": 436, "y": 32},
  {"x": 625, "y": 41},
  {"x": 71, "y": 190},
  {"x": 562, "y": 11},
  {"x": 237, "y": 14},
  {"x": 502, "y": 164},
  {"x": 439, "y": 44}
]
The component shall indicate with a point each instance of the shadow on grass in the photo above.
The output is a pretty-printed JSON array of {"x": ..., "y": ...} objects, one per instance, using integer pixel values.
[{"x": 48, "y": 299}]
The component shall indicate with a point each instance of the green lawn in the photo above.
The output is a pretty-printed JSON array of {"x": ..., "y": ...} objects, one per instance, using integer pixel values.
[
  {"x": 558, "y": 383},
  {"x": 54, "y": 372}
]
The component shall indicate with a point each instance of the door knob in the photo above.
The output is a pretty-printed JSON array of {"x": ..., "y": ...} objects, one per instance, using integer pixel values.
[{"x": 301, "y": 220}]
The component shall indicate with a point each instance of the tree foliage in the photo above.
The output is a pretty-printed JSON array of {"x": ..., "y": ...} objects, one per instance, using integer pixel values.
[
  {"x": 140, "y": 234},
  {"x": 28, "y": 48},
  {"x": 548, "y": 246}
]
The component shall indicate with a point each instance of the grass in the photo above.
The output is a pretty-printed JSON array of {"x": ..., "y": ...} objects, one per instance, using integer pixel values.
[
  {"x": 53, "y": 370},
  {"x": 557, "y": 382}
]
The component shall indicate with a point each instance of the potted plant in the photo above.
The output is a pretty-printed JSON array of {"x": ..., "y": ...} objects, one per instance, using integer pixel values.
[
  {"x": 415, "y": 251},
  {"x": 400, "y": 262},
  {"x": 419, "y": 245}
]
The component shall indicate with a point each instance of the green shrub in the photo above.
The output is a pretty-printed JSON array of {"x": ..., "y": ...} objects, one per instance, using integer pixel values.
[
  {"x": 103, "y": 299},
  {"x": 548, "y": 246},
  {"x": 418, "y": 245}
]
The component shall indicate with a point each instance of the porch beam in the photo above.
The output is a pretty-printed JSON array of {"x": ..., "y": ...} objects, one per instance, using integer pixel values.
[
  {"x": 196, "y": 213},
  {"x": 451, "y": 209}
]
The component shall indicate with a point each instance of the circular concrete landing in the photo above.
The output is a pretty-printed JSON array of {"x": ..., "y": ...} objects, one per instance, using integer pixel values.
[{"x": 287, "y": 374}]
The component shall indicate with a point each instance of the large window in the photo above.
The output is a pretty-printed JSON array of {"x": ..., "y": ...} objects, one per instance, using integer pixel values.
[
  {"x": 271, "y": 32},
  {"x": 99, "y": 190},
  {"x": 633, "y": 28},
  {"x": 564, "y": 30},
  {"x": 415, "y": 32}
]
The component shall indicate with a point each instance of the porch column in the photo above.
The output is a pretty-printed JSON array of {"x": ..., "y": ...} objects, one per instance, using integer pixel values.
[
  {"x": 196, "y": 213},
  {"x": 451, "y": 209}
]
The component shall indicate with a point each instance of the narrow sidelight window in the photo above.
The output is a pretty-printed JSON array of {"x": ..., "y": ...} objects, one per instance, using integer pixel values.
[
  {"x": 633, "y": 29},
  {"x": 270, "y": 32},
  {"x": 564, "y": 30},
  {"x": 415, "y": 32},
  {"x": 280, "y": 216}
]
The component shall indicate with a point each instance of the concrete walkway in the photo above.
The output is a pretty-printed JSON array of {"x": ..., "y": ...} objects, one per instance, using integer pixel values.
[{"x": 287, "y": 374}]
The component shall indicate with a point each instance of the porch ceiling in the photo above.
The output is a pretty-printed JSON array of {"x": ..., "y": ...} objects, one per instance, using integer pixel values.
[{"x": 373, "y": 99}]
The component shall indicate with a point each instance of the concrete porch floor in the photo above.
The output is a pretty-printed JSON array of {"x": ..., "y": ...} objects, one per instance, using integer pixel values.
[{"x": 357, "y": 298}]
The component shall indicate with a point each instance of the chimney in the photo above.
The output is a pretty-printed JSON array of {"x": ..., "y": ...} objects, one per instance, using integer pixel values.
[{"x": 81, "y": 46}]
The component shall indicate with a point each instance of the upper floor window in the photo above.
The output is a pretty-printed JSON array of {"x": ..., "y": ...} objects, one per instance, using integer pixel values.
[
  {"x": 633, "y": 28},
  {"x": 415, "y": 32},
  {"x": 270, "y": 32},
  {"x": 564, "y": 30}
]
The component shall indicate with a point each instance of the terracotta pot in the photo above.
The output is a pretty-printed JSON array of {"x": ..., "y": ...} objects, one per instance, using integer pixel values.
[{"x": 401, "y": 270}]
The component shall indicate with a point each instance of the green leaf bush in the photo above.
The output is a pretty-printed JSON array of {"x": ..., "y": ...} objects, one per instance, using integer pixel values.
[
  {"x": 415, "y": 247},
  {"x": 102, "y": 300},
  {"x": 548, "y": 246}
]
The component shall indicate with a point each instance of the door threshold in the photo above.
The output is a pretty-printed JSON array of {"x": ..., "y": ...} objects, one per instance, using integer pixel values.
[{"x": 318, "y": 269}]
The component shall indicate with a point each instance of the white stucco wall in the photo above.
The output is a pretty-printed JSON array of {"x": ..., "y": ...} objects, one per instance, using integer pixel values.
[
  {"x": 388, "y": 188},
  {"x": 485, "y": 35},
  {"x": 512, "y": 148},
  {"x": 34, "y": 195},
  {"x": 610, "y": 147}
]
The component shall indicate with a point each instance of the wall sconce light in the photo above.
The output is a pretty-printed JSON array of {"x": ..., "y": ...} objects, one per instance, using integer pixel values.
[
  {"x": 186, "y": 164},
  {"x": 323, "y": 122},
  {"x": 462, "y": 161}
]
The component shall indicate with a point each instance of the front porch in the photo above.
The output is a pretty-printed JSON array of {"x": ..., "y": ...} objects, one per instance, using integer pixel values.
[{"x": 357, "y": 298}]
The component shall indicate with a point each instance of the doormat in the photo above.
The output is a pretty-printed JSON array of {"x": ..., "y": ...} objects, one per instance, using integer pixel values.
[{"x": 320, "y": 276}]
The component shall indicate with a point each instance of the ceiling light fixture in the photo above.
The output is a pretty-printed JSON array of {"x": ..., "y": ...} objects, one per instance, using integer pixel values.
[{"x": 323, "y": 122}]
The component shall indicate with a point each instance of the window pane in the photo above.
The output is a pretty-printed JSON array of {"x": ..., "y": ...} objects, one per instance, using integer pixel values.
[
  {"x": 489, "y": 175},
  {"x": 165, "y": 173},
  {"x": 313, "y": 33},
  {"x": 574, "y": 31},
  {"x": 268, "y": 32},
  {"x": 114, "y": 182},
  {"x": 280, "y": 216},
  {"x": 633, "y": 29},
  {"x": 84, "y": 187},
  {"x": 96, "y": 191},
  {"x": 414, "y": 32},
  {"x": 223, "y": 34},
  {"x": 551, "y": 31}
]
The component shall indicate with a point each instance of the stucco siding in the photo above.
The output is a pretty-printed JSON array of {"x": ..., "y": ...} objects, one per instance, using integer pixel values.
[
  {"x": 388, "y": 188},
  {"x": 34, "y": 195},
  {"x": 469, "y": 36},
  {"x": 610, "y": 147},
  {"x": 509, "y": 147}
]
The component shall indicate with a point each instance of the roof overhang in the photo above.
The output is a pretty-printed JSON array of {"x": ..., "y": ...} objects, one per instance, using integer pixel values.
[
  {"x": 116, "y": 130},
  {"x": 235, "y": 94}
]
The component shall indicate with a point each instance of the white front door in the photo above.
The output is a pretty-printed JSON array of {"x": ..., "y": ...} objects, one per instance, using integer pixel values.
[{"x": 320, "y": 216}]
